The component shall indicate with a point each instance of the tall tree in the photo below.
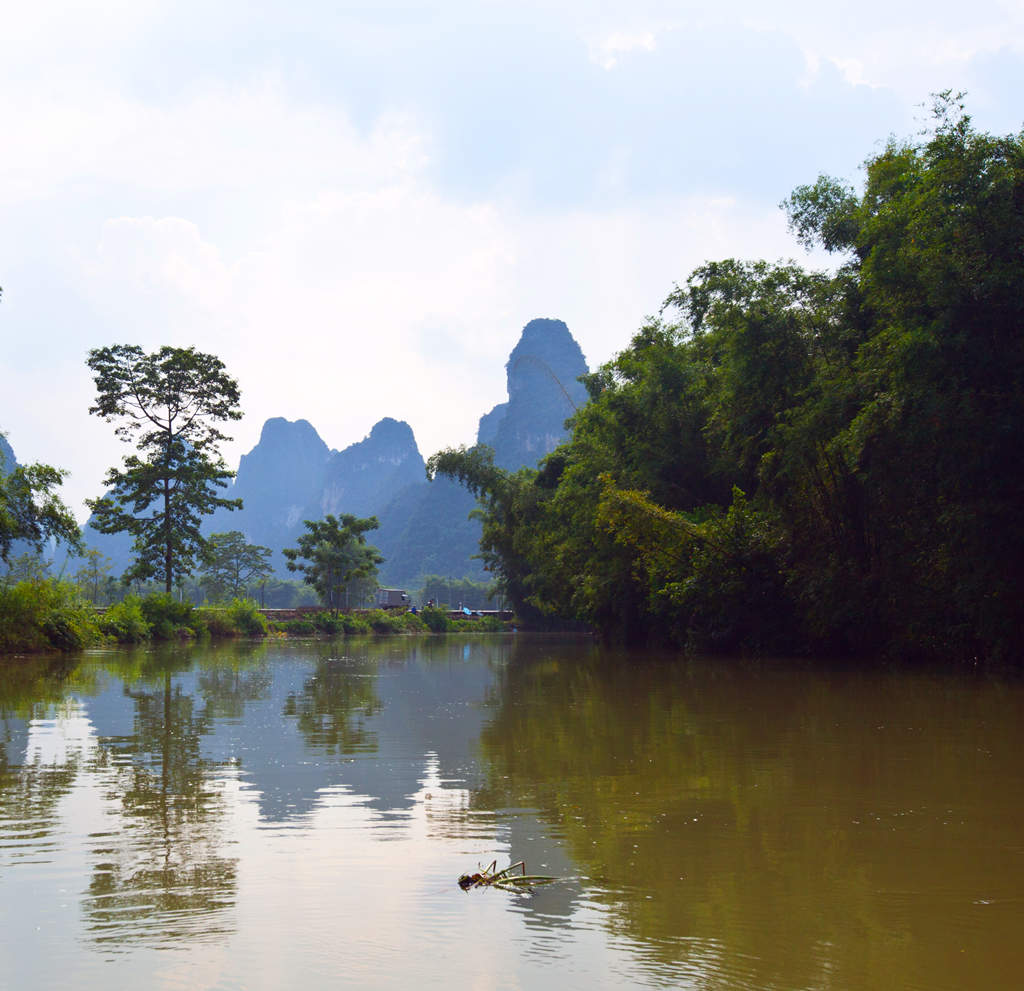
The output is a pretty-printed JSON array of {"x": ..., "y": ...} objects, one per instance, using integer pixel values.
[
  {"x": 230, "y": 563},
  {"x": 92, "y": 577},
  {"x": 333, "y": 555},
  {"x": 30, "y": 510},
  {"x": 170, "y": 404}
]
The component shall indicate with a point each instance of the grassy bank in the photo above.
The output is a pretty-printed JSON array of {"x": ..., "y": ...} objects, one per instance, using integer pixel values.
[
  {"x": 48, "y": 614},
  {"x": 384, "y": 621}
]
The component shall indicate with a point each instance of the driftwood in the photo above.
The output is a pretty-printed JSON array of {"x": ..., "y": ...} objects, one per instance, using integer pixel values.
[{"x": 507, "y": 879}]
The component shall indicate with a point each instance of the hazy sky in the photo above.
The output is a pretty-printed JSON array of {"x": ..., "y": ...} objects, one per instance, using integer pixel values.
[{"x": 359, "y": 206}]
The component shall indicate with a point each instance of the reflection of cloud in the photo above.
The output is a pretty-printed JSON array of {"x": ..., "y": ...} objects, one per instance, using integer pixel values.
[{"x": 65, "y": 738}]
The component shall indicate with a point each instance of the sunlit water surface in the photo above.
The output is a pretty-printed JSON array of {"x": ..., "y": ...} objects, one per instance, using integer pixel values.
[{"x": 296, "y": 816}]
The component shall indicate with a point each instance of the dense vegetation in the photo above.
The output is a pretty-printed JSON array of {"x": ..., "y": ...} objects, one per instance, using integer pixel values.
[
  {"x": 45, "y": 614},
  {"x": 50, "y": 614},
  {"x": 787, "y": 459}
]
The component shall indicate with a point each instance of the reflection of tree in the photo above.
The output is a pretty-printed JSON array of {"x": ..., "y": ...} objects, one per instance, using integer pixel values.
[
  {"x": 334, "y": 704},
  {"x": 727, "y": 806},
  {"x": 162, "y": 875},
  {"x": 228, "y": 680}
]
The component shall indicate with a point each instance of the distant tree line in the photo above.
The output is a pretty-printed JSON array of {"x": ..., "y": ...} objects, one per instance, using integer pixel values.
[{"x": 795, "y": 460}]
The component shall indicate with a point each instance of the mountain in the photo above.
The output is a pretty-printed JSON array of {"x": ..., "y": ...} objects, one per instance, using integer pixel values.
[
  {"x": 278, "y": 481},
  {"x": 365, "y": 476},
  {"x": 292, "y": 475},
  {"x": 544, "y": 390},
  {"x": 428, "y": 531}
]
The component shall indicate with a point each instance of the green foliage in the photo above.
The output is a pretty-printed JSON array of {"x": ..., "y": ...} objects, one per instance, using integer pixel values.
[
  {"x": 217, "y": 622},
  {"x": 124, "y": 621},
  {"x": 169, "y": 403},
  {"x": 334, "y": 557},
  {"x": 826, "y": 461},
  {"x": 298, "y": 627},
  {"x": 69, "y": 625},
  {"x": 44, "y": 614},
  {"x": 434, "y": 619},
  {"x": 27, "y": 568},
  {"x": 168, "y": 618},
  {"x": 30, "y": 510},
  {"x": 382, "y": 621},
  {"x": 246, "y": 617},
  {"x": 91, "y": 578},
  {"x": 231, "y": 564},
  {"x": 283, "y": 593},
  {"x": 481, "y": 624}
]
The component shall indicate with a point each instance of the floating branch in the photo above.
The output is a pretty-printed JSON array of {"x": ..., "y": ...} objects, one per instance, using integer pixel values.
[{"x": 507, "y": 879}]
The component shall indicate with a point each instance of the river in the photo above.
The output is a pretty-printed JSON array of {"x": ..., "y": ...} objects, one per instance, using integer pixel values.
[{"x": 296, "y": 815}]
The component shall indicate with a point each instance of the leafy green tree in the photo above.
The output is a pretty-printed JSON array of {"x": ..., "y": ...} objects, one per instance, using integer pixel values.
[
  {"x": 27, "y": 568},
  {"x": 91, "y": 578},
  {"x": 30, "y": 509},
  {"x": 785, "y": 458},
  {"x": 170, "y": 403},
  {"x": 334, "y": 557},
  {"x": 230, "y": 563},
  {"x": 930, "y": 457}
]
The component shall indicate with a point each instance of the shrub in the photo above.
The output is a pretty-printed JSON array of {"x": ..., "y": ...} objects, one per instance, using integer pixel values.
[
  {"x": 218, "y": 622},
  {"x": 296, "y": 627},
  {"x": 167, "y": 617},
  {"x": 436, "y": 620},
  {"x": 411, "y": 623},
  {"x": 44, "y": 613},
  {"x": 352, "y": 623},
  {"x": 69, "y": 627},
  {"x": 384, "y": 622},
  {"x": 246, "y": 618},
  {"x": 124, "y": 622}
]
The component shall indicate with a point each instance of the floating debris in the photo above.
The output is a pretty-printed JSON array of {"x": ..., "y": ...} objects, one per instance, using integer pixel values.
[{"x": 507, "y": 879}]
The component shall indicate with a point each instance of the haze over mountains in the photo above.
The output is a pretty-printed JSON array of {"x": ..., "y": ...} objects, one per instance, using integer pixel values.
[{"x": 291, "y": 475}]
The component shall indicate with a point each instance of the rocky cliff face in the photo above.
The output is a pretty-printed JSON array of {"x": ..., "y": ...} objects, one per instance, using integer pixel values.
[
  {"x": 364, "y": 477},
  {"x": 8, "y": 462},
  {"x": 543, "y": 392},
  {"x": 431, "y": 533},
  {"x": 291, "y": 475},
  {"x": 276, "y": 481}
]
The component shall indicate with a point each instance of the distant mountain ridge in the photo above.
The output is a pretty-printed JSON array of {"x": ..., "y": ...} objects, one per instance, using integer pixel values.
[{"x": 291, "y": 475}]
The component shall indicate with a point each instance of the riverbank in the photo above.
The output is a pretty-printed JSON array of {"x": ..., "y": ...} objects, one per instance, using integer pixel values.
[{"x": 50, "y": 615}]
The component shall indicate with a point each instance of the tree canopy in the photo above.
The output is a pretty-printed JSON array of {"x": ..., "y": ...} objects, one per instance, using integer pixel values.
[
  {"x": 334, "y": 557},
  {"x": 31, "y": 510},
  {"x": 169, "y": 403},
  {"x": 230, "y": 563},
  {"x": 792, "y": 459}
]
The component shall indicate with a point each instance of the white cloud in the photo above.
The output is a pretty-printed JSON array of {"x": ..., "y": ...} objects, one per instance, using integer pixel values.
[
  {"x": 607, "y": 51},
  {"x": 309, "y": 210}
]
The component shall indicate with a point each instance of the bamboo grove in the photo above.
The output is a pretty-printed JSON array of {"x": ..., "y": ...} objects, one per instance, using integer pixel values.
[{"x": 794, "y": 460}]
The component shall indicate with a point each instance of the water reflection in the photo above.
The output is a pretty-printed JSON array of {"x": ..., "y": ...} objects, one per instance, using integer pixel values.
[
  {"x": 280, "y": 814},
  {"x": 802, "y": 828},
  {"x": 160, "y": 874}
]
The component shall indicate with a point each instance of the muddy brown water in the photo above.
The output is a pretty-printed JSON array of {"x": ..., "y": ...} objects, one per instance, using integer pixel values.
[{"x": 296, "y": 815}]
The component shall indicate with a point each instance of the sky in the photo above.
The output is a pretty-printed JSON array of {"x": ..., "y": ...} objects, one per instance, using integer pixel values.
[{"x": 358, "y": 206}]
